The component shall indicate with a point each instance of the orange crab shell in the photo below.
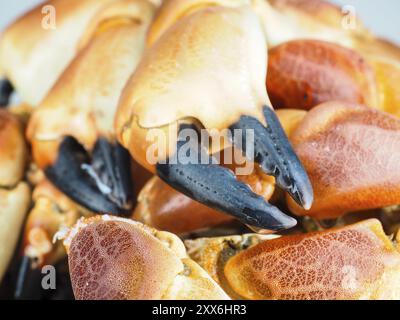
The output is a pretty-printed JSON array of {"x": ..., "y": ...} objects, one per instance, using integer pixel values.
[
  {"x": 354, "y": 262},
  {"x": 305, "y": 73},
  {"x": 350, "y": 153},
  {"x": 13, "y": 149}
]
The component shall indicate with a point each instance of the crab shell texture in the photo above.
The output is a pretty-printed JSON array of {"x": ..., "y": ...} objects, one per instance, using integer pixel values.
[
  {"x": 52, "y": 210},
  {"x": 305, "y": 73},
  {"x": 115, "y": 258},
  {"x": 226, "y": 61},
  {"x": 83, "y": 101},
  {"x": 353, "y": 262},
  {"x": 33, "y": 57},
  {"x": 351, "y": 154}
]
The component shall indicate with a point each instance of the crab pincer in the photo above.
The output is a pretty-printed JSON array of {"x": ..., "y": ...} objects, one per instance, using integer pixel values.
[
  {"x": 71, "y": 131},
  {"x": 205, "y": 79}
]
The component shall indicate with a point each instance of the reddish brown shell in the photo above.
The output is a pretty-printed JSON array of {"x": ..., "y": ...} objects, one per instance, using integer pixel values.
[
  {"x": 305, "y": 73},
  {"x": 117, "y": 260},
  {"x": 352, "y": 156}
]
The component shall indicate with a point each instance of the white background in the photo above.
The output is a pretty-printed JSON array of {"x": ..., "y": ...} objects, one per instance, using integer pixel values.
[{"x": 382, "y": 16}]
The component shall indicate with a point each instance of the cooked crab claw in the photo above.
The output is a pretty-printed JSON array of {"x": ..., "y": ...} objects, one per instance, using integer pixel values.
[
  {"x": 6, "y": 89},
  {"x": 351, "y": 154},
  {"x": 100, "y": 183},
  {"x": 276, "y": 157},
  {"x": 115, "y": 258},
  {"x": 356, "y": 261},
  {"x": 201, "y": 178}
]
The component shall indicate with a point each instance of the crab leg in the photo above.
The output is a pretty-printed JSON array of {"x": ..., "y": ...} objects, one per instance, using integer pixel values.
[
  {"x": 217, "y": 187},
  {"x": 6, "y": 89},
  {"x": 276, "y": 156},
  {"x": 101, "y": 184}
]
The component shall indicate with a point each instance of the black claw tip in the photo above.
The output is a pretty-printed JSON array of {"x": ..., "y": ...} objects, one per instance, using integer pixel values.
[
  {"x": 275, "y": 155},
  {"x": 217, "y": 187},
  {"x": 101, "y": 184}
]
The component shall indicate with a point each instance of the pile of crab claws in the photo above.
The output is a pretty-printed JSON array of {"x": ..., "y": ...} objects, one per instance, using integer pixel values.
[
  {"x": 348, "y": 151},
  {"x": 351, "y": 154},
  {"x": 353, "y": 262},
  {"x": 116, "y": 258}
]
